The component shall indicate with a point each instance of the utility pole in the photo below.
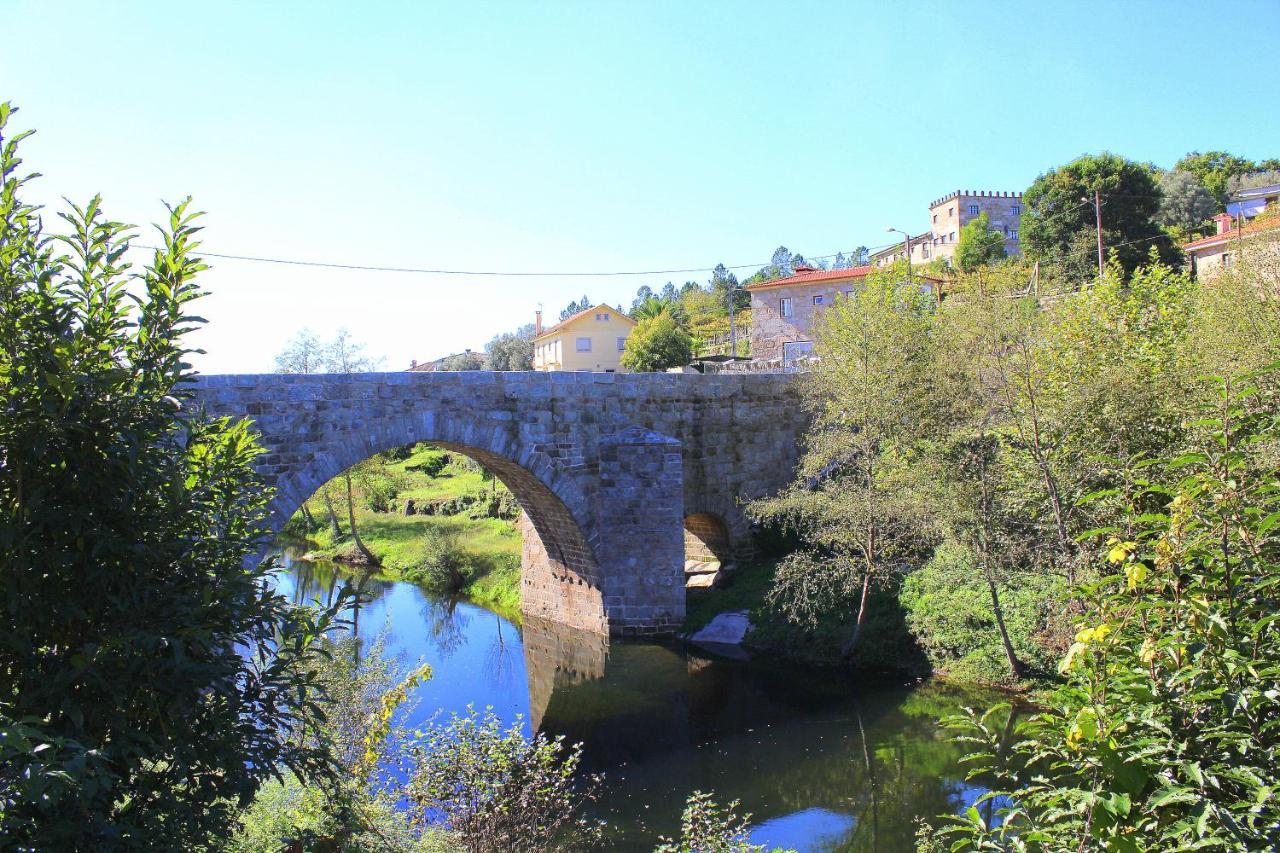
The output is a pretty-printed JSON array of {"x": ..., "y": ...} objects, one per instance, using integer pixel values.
[
  {"x": 733, "y": 321},
  {"x": 1097, "y": 216}
]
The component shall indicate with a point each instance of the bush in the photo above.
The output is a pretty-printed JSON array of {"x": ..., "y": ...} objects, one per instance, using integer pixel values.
[
  {"x": 129, "y": 716},
  {"x": 706, "y": 827},
  {"x": 497, "y": 790},
  {"x": 948, "y": 609},
  {"x": 657, "y": 344},
  {"x": 432, "y": 463},
  {"x": 443, "y": 565}
]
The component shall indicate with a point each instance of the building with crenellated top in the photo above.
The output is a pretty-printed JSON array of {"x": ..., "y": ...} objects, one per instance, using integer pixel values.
[{"x": 947, "y": 215}]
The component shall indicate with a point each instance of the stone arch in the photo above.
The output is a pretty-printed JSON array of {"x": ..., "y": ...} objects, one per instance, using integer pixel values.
[
  {"x": 560, "y": 575},
  {"x": 706, "y": 537}
]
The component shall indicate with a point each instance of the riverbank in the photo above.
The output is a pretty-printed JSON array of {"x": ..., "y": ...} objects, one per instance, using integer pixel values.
[{"x": 417, "y": 508}]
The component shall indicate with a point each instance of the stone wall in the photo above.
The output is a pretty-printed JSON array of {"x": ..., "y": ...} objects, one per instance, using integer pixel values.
[{"x": 605, "y": 466}]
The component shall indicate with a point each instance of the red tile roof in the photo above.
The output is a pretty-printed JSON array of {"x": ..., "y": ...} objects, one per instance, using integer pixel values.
[
  {"x": 815, "y": 276},
  {"x": 1256, "y": 226},
  {"x": 567, "y": 320}
]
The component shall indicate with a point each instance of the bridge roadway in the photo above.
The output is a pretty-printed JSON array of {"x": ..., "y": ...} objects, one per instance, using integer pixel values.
[{"x": 615, "y": 473}]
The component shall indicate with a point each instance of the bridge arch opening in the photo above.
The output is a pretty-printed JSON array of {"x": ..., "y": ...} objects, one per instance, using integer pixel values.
[
  {"x": 706, "y": 538},
  {"x": 560, "y": 578}
]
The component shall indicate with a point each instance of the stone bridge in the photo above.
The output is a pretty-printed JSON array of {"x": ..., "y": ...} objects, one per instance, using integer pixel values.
[{"x": 617, "y": 474}]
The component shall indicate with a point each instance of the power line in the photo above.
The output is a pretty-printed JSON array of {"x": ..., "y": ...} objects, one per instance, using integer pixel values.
[{"x": 490, "y": 273}]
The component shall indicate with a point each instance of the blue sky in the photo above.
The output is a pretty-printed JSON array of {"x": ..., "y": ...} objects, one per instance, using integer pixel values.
[{"x": 589, "y": 136}]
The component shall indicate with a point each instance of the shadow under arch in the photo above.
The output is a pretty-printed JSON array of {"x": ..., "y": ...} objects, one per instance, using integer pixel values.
[{"x": 560, "y": 575}]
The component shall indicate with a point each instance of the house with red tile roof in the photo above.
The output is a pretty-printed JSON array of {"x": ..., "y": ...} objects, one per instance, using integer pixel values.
[
  {"x": 784, "y": 311},
  {"x": 1210, "y": 255}
]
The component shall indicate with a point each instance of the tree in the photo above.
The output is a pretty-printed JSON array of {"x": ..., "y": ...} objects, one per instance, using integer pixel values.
[
  {"x": 650, "y": 308},
  {"x": 643, "y": 295},
  {"x": 1215, "y": 169},
  {"x": 1186, "y": 205},
  {"x": 1058, "y": 225},
  {"x": 706, "y": 827},
  {"x": 130, "y": 716},
  {"x": 669, "y": 293},
  {"x": 304, "y": 353},
  {"x": 979, "y": 245},
  {"x": 511, "y": 350},
  {"x": 576, "y": 307},
  {"x": 462, "y": 361},
  {"x": 1260, "y": 178},
  {"x": 852, "y": 503},
  {"x": 657, "y": 344},
  {"x": 727, "y": 291}
]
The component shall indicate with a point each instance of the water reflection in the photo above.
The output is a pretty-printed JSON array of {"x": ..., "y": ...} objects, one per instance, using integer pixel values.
[{"x": 823, "y": 761}]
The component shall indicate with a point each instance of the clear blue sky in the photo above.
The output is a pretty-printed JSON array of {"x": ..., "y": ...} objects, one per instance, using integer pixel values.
[{"x": 589, "y": 136}]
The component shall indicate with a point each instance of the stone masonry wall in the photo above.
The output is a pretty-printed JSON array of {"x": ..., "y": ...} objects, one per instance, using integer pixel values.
[{"x": 605, "y": 466}]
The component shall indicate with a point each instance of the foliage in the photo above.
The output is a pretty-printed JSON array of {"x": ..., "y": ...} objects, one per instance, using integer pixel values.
[
  {"x": 657, "y": 344},
  {"x": 948, "y": 606},
  {"x": 443, "y": 565},
  {"x": 852, "y": 502},
  {"x": 129, "y": 714},
  {"x": 1167, "y": 732},
  {"x": 979, "y": 244},
  {"x": 576, "y": 307},
  {"x": 463, "y": 361},
  {"x": 1260, "y": 178},
  {"x": 495, "y": 789},
  {"x": 1185, "y": 205},
  {"x": 706, "y": 827},
  {"x": 511, "y": 350},
  {"x": 1058, "y": 225},
  {"x": 1215, "y": 169}
]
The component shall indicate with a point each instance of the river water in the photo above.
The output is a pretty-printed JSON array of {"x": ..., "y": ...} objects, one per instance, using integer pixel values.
[{"x": 822, "y": 760}]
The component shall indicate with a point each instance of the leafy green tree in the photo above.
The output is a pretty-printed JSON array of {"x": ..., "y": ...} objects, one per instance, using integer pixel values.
[
  {"x": 1186, "y": 205},
  {"x": 852, "y": 503},
  {"x": 130, "y": 717},
  {"x": 979, "y": 244},
  {"x": 511, "y": 350},
  {"x": 656, "y": 344},
  {"x": 1263, "y": 177},
  {"x": 1164, "y": 736},
  {"x": 1059, "y": 228},
  {"x": 1215, "y": 169}
]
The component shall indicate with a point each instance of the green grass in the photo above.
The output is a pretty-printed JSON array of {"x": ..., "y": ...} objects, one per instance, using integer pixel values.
[
  {"x": 744, "y": 589},
  {"x": 492, "y": 545}
]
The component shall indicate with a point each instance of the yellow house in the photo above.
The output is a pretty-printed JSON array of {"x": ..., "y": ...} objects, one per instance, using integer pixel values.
[{"x": 590, "y": 341}]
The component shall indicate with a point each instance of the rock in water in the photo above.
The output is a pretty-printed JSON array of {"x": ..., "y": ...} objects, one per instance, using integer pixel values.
[{"x": 726, "y": 629}]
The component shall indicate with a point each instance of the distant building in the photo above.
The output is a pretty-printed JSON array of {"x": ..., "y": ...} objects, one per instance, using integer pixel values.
[
  {"x": 952, "y": 212},
  {"x": 438, "y": 364},
  {"x": 1210, "y": 255},
  {"x": 1248, "y": 204},
  {"x": 590, "y": 341},
  {"x": 783, "y": 311}
]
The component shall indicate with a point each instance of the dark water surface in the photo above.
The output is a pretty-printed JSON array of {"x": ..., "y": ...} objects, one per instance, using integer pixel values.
[{"x": 821, "y": 759}]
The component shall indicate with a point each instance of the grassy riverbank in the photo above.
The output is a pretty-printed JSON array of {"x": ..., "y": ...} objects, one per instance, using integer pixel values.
[{"x": 483, "y": 552}]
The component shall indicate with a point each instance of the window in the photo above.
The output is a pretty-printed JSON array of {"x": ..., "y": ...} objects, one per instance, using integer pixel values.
[
  {"x": 1013, "y": 233},
  {"x": 924, "y": 251},
  {"x": 784, "y": 307},
  {"x": 622, "y": 344},
  {"x": 973, "y": 210},
  {"x": 1017, "y": 208},
  {"x": 1226, "y": 259},
  {"x": 951, "y": 211},
  {"x": 817, "y": 299},
  {"x": 935, "y": 219},
  {"x": 850, "y": 293},
  {"x": 584, "y": 344},
  {"x": 953, "y": 236},
  {"x": 791, "y": 350}
]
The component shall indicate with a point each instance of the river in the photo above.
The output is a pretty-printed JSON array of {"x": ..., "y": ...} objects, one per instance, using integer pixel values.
[{"x": 822, "y": 760}]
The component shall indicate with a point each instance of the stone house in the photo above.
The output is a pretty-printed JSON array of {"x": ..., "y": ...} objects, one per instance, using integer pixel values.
[
  {"x": 784, "y": 311},
  {"x": 1208, "y": 256},
  {"x": 590, "y": 341},
  {"x": 952, "y": 212}
]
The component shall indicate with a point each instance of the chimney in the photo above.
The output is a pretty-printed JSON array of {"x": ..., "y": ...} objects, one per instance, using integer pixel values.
[
  {"x": 413, "y": 363},
  {"x": 1224, "y": 222},
  {"x": 537, "y": 322}
]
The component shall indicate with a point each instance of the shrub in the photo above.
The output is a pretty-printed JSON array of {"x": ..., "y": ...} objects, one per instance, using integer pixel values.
[
  {"x": 495, "y": 789},
  {"x": 443, "y": 565},
  {"x": 948, "y": 609},
  {"x": 130, "y": 716}
]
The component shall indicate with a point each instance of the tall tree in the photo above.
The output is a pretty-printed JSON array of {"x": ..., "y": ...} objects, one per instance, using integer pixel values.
[
  {"x": 1186, "y": 206},
  {"x": 1058, "y": 225},
  {"x": 872, "y": 397},
  {"x": 1214, "y": 169},
  {"x": 657, "y": 343},
  {"x": 575, "y": 307},
  {"x": 979, "y": 244},
  {"x": 511, "y": 350},
  {"x": 130, "y": 717},
  {"x": 304, "y": 353}
]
